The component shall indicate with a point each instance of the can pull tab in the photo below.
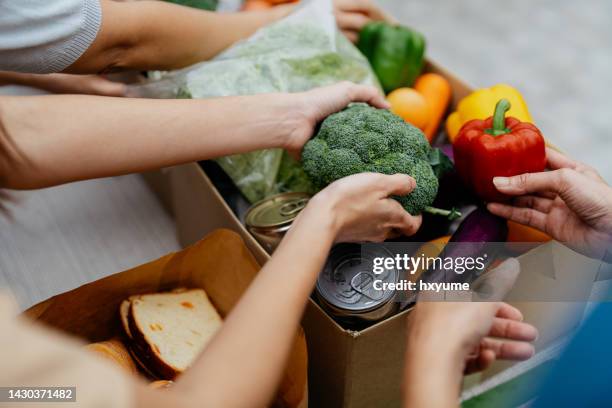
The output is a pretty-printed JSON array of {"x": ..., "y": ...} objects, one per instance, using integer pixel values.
[
  {"x": 362, "y": 284},
  {"x": 293, "y": 207}
]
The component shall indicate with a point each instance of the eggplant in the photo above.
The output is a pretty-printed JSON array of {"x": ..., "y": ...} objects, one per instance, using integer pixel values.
[
  {"x": 480, "y": 233},
  {"x": 481, "y": 226}
]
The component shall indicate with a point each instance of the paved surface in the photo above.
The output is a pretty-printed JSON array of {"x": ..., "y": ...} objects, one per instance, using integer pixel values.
[
  {"x": 66, "y": 236},
  {"x": 556, "y": 51}
]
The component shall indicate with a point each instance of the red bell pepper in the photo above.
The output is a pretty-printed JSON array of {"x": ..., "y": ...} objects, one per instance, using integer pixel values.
[{"x": 497, "y": 146}]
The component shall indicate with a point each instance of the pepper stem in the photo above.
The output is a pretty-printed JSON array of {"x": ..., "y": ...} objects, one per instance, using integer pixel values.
[
  {"x": 499, "y": 118},
  {"x": 451, "y": 214}
]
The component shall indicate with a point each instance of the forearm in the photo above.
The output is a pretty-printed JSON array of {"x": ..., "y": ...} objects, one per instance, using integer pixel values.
[
  {"x": 251, "y": 349},
  {"x": 56, "y": 83},
  {"x": 433, "y": 371},
  {"x": 57, "y": 139},
  {"x": 17, "y": 78},
  {"x": 146, "y": 35}
]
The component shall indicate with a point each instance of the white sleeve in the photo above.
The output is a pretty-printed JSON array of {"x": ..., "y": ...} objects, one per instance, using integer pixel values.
[{"x": 44, "y": 36}]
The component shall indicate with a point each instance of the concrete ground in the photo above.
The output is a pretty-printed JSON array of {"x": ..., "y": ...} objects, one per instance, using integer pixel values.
[{"x": 557, "y": 52}]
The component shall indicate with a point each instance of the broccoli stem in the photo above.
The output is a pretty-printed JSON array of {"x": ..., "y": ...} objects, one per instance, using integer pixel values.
[{"x": 451, "y": 214}]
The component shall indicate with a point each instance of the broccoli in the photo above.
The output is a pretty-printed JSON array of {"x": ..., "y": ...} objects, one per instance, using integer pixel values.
[{"x": 365, "y": 139}]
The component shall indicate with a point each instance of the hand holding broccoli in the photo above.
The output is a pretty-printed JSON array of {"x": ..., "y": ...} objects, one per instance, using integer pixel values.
[
  {"x": 361, "y": 208},
  {"x": 307, "y": 109},
  {"x": 361, "y": 139}
]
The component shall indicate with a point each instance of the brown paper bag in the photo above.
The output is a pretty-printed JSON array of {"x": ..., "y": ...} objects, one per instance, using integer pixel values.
[{"x": 220, "y": 264}]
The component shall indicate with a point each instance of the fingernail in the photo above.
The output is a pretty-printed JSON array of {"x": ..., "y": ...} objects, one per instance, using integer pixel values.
[
  {"x": 501, "y": 181},
  {"x": 411, "y": 181}
]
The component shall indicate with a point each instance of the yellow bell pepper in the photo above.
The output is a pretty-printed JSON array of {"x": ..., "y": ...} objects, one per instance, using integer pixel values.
[{"x": 480, "y": 104}]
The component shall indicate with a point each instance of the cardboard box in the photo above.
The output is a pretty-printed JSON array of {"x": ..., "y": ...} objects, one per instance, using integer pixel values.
[
  {"x": 159, "y": 183},
  {"x": 220, "y": 264},
  {"x": 346, "y": 368}
]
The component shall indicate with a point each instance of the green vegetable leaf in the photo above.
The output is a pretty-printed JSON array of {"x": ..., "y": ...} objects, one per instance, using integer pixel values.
[{"x": 440, "y": 163}]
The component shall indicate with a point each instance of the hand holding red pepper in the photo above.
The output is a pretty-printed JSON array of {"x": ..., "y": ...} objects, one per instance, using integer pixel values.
[{"x": 497, "y": 146}]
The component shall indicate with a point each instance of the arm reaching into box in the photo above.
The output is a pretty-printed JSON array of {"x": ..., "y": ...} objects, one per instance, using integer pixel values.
[
  {"x": 57, "y": 139},
  {"x": 571, "y": 203},
  {"x": 93, "y": 36},
  {"x": 243, "y": 363},
  {"x": 143, "y": 35},
  {"x": 65, "y": 83},
  {"x": 475, "y": 335}
]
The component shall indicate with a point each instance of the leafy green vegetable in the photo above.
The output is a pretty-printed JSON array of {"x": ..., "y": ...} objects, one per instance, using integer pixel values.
[
  {"x": 291, "y": 176},
  {"x": 210, "y": 5},
  {"x": 253, "y": 173},
  {"x": 325, "y": 67},
  {"x": 361, "y": 139},
  {"x": 305, "y": 50},
  {"x": 440, "y": 162},
  {"x": 183, "y": 93}
]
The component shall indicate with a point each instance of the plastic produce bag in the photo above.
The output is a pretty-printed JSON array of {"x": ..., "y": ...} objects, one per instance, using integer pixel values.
[{"x": 302, "y": 51}]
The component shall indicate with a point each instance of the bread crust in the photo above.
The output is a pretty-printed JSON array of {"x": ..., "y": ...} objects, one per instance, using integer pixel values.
[
  {"x": 115, "y": 351},
  {"x": 146, "y": 353}
]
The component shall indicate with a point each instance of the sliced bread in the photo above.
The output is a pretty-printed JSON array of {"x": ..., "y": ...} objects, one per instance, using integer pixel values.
[
  {"x": 170, "y": 329},
  {"x": 114, "y": 350},
  {"x": 124, "y": 310}
]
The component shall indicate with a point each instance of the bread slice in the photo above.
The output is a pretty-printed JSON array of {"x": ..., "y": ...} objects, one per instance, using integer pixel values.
[
  {"x": 114, "y": 351},
  {"x": 170, "y": 329},
  {"x": 124, "y": 310},
  {"x": 137, "y": 355}
]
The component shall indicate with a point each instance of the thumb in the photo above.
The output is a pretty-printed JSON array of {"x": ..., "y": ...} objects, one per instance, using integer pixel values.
[
  {"x": 110, "y": 88},
  {"x": 98, "y": 85},
  {"x": 532, "y": 182},
  {"x": 398, "y": 184}
]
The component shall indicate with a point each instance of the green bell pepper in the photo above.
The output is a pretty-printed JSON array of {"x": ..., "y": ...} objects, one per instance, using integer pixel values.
[{"x": 396, "y": 53}]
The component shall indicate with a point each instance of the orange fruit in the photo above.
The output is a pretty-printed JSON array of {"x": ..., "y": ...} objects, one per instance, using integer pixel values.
[
  {"x": 409, "y": 105},
  {"x": 252, "y": 5}
]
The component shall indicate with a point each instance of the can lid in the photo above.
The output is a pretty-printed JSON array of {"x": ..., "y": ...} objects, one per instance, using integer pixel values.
[
  {"x": 276, "y": 211},
  {"x": 347, "y": 280}
]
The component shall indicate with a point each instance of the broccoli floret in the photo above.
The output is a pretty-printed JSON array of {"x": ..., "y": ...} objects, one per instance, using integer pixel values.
[
  {"x": 340, "y": 163},
  {"x": 362, "y": 138},
  {"x": 425, "y": 191},
  {"x": 312, "y": 160}
]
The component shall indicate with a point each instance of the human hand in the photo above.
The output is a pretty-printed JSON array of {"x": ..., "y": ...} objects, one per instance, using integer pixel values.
[
  {"x": 475, "y": 333},
  {"x": 361, "y": 209},
  {"x": 571, "y": 203},
  {"x": 475, "y": 337},
  {"x": 307, "y": 109},
  {"x": 80, "y": 84},
  {"x": 352, "y": 15},
  {"x": 480, "y": 332},
  {"x": 447, "y": 339},
  {"x": 65, "y": 83}
]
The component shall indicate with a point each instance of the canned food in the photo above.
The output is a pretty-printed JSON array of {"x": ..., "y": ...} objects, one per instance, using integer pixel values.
[
  {"x": 345, "y": 287},
  {"x": 269, "y": 220}
]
